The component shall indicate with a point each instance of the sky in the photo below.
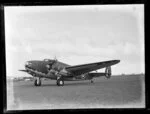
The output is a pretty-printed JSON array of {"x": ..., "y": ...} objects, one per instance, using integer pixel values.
[{"x": 75, "y": 35}]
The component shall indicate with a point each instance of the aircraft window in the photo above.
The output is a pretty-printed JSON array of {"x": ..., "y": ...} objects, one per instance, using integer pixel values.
[{"x": 46, "y": 60}]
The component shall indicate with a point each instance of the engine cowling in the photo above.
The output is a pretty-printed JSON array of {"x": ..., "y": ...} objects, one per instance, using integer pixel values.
[{"x": 108, "y": 72}]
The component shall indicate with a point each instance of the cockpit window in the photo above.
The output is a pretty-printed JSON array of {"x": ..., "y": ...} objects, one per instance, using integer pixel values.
[{"x": 47, "y": 60}]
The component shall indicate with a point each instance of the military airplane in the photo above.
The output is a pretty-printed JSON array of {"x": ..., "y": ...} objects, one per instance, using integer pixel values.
[{"x": 59, "y": 71}]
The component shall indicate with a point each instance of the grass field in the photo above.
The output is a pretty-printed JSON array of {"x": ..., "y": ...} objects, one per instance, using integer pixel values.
[{"x": 116, "y": 92}]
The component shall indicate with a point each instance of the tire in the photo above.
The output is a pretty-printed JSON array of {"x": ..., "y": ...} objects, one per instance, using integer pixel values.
[
  {"x": 37, "y": 82},
  {"x": 60, "y": 82},
  {"x": 92, "y": 81}
]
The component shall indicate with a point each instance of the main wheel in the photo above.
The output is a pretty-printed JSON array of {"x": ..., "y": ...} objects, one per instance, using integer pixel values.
[
  {"x": 60, "y": 82},
  {"x": 92, "y": 81},
  {"x": 37, "y": 82}
]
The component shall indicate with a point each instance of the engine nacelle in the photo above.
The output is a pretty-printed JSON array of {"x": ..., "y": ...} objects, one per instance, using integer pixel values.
[{"x": 108, "y": 72}]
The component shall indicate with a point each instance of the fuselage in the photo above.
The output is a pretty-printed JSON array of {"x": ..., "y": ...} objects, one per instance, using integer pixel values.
[
  {"x": 47, "y": 69},
  {"x": 42, "y": 66}
]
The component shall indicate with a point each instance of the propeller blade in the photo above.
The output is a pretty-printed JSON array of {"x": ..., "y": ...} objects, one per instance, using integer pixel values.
[{"x": 23, "y": 70}]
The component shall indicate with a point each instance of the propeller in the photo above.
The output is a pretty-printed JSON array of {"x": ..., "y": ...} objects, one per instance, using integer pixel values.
[
  {"x": 51, "y": 63},
  {"x": 54, "y": 69}
]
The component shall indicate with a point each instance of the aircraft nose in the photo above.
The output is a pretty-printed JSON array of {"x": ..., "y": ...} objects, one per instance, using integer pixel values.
[{"x": 28, "y": 64}]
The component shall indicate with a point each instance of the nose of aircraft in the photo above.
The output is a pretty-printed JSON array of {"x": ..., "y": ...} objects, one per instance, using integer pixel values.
[{"x": 28, "y": 64}]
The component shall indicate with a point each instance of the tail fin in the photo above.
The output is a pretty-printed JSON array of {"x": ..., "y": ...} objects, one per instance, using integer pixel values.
[{"x": 55, "y": 58}]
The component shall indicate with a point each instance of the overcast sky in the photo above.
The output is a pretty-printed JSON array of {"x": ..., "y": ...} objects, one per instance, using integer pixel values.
[{"x": 75, "y": 35}]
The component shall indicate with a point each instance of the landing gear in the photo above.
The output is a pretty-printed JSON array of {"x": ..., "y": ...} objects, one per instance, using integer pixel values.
[
  {"x": 92, "y": 81},
  {"x": 37, "y": 82},
  {"x": 60, "y": 82}
]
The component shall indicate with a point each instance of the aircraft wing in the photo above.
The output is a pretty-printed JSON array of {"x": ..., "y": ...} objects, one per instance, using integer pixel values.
[{"x": 85, "y": 68}]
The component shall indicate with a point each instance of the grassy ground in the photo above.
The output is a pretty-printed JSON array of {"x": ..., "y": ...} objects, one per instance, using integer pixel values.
[{"x": 117, "y": 92}]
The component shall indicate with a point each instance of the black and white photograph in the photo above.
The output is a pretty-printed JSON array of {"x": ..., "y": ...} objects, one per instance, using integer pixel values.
[{"x": 74, "y": 57}]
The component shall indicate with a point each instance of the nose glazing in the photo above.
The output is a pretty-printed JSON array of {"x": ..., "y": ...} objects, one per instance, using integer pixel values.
[{"x": 28, "y": 64}]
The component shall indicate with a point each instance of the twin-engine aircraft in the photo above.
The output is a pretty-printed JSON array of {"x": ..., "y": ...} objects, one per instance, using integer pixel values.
[{"x": 56, "y": 70}]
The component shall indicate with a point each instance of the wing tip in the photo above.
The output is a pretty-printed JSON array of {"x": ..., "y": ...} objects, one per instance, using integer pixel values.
[{"x": 117, "y": 61}]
